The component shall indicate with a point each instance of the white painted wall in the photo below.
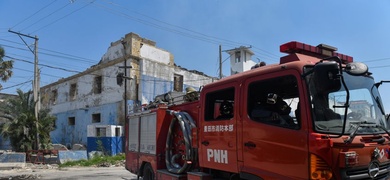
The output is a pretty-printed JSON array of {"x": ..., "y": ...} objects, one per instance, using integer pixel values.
[
  {"x": 155, "y": 54},
  {"x": 110, "y": 130},
  {"x": 160, "y": 79},
  {"x": 154, "y": 63},
  {"x": 85, "y": 98},
  {"x": 244, "y": 65},
  {"x": 113, "y": 52},
  {"x": 192, "y": 79}
]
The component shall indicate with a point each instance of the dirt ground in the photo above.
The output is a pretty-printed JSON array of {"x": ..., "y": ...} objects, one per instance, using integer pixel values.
[{"x": 52, "y": 171}]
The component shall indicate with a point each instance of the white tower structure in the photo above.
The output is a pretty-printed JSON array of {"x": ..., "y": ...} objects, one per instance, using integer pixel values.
[{"x": 240, "y": 59}]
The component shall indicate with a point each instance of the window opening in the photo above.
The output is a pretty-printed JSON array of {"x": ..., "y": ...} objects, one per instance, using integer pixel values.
[
  {"x": 100, "y": 132},
  {"x": 220, "y": 105},
  {"x": 237, "y": 56},
  {"x": 96, "y": 118},
  {"x": 98, "y": 85},
  {"x": 54, "y": 94},
  {"x": 275, "y": 102},
  {"x": 117, "y": 132},
  {"x": 178, "y": 83},
  {"x": 71, "y": 121},
  {"x": 73, "y": 91}
]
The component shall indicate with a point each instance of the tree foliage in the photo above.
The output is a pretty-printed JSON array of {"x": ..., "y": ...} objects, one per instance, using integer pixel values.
[
  {"x": 5, "y": 67},
  {"x": 21, "y": 125}
]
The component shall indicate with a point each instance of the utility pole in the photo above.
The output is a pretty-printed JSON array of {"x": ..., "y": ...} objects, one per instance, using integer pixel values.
[
  {"x": 36, "y": 94},
  {"x": 125, "y": 76},
  {"x": 220, "y": 62}
]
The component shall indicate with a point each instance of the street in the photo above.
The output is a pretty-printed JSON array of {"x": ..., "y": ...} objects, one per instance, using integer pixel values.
[{"x": 95, "y": 173}]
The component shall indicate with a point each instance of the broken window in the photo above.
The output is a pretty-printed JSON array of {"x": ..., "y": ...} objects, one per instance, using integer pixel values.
[
  {"x": 97, "y": 85},
  {"x": 178, "y": 83},
  {"x": 53, "y": 98},
  {"x": 73, "y": 91},
  {"x": 96, "y": 118},
  {"x": 71, "y": 121}
]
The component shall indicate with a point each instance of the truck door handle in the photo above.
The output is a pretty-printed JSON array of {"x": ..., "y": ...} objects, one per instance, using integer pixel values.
[
  {"x": 206, "y": 143},
  {"x": 250, "y": 144}
]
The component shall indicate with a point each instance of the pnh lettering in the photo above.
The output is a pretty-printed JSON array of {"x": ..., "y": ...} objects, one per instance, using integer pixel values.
[{"x": 219, "y": 156}]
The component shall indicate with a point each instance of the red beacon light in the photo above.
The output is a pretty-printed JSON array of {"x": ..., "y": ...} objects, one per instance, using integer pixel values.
[{"x": 320, "y": 51}]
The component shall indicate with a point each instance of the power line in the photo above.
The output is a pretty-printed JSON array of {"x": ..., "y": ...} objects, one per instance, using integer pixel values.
[
  {"x": 191, "y": 34},
  {"x": 377, "y": 67},
  {"x": 15, "y": 85},
  {"x": 34, "y": 13},
  {"x": 181, "y": 30},
  {"x": 373, "y": 60},
  {"x": 20, "y": 69},
  {"x": 175, "y": 26},
  {"x": 64, "y": 16},
  {"x": 43, "y": 60},
  {"x": 62, "y": 55},
  {"x": 55, "y": 11},
  {"x": 53, "y": 67}
]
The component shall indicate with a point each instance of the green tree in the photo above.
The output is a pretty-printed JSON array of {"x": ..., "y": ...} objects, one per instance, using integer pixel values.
[
  {"x": 20, "y": 126},
  {"x": 5, "y": 67}
]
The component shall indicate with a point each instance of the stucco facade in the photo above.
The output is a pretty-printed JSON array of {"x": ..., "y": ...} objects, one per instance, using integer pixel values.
[
  {"x": 240, "y": 60},
  {"x": 93, "y": 97}
]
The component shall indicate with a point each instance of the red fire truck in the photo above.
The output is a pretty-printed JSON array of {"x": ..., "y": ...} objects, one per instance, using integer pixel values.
[{"x": 315, "y": 115}]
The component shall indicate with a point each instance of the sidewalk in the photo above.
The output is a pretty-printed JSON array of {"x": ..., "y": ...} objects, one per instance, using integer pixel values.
[{"x": 32, "y": 171}]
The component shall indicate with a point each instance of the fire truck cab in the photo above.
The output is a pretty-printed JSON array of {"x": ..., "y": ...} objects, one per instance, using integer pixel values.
[{"x": 315, "y": 115}]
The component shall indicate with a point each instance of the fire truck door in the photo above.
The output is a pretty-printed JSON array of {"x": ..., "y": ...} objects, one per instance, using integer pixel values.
[
  {"x": 273, "y": 141},
  {"x": 218, "y": 136}
]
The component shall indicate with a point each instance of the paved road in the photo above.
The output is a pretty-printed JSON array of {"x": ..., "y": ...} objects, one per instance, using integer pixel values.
[{"x": 98, "y": 173}]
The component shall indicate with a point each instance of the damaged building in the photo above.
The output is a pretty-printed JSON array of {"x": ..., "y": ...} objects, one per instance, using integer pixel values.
[{"x": 96, "y": 101}]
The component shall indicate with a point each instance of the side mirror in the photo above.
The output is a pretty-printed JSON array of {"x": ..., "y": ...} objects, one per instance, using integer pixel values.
[
  {"x": 356, "y": 68},
  {"x": 327, "y": 77}
]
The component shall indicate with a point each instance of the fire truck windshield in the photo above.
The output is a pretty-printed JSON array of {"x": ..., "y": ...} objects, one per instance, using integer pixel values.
[{"x": 364, "y": 107}]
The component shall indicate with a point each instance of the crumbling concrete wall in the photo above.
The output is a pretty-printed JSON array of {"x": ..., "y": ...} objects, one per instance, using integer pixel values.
[
  {"x": 65, "y": 156},
  {"x": 152, "y": 74},
  {"x": 158, "y": 78},
  {"x": 12, "y": 160},
  {"x": 77, "y": 134}
]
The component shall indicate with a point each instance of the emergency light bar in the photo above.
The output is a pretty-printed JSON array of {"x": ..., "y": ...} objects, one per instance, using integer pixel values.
[{"x": 321, "y": 50}]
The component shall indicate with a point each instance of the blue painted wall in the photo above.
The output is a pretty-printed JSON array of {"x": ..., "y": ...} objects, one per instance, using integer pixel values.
[
  {"x": 108, "y": 145},
  {"x": 77, "y": 134},
  {"x": 5, "y": 144},
  {"x": 153, "y": 86},
  {"x": 12, "y": 157}
]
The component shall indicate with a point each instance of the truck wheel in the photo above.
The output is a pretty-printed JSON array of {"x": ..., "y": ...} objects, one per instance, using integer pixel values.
[{"x": 148, "y": 172}]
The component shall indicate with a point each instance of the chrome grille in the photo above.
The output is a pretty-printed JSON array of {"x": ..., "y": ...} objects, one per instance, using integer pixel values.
[{"x": 361, "y": 173}]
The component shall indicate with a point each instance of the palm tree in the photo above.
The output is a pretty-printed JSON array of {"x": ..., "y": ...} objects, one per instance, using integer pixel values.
[
  {"x": 5, "y": 67},
  {"x": 20, "y": 126}
]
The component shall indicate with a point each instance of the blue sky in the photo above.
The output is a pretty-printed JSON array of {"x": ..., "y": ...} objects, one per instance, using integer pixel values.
[{"x": 74, "y": 34}]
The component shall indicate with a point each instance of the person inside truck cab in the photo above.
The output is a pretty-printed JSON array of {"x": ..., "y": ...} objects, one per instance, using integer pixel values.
[
  {"x": 225, "y": 110},
  {"x": 322, "y": 110},
  {"x": 275, "y": 110}
]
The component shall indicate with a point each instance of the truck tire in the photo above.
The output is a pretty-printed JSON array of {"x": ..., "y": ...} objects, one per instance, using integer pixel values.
[{"x": 148, "y": 173}]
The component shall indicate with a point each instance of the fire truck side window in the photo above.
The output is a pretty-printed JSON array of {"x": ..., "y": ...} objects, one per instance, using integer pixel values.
[
  {"x": 275, "y": 102},
  {"x": 220, "y": 105}
]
